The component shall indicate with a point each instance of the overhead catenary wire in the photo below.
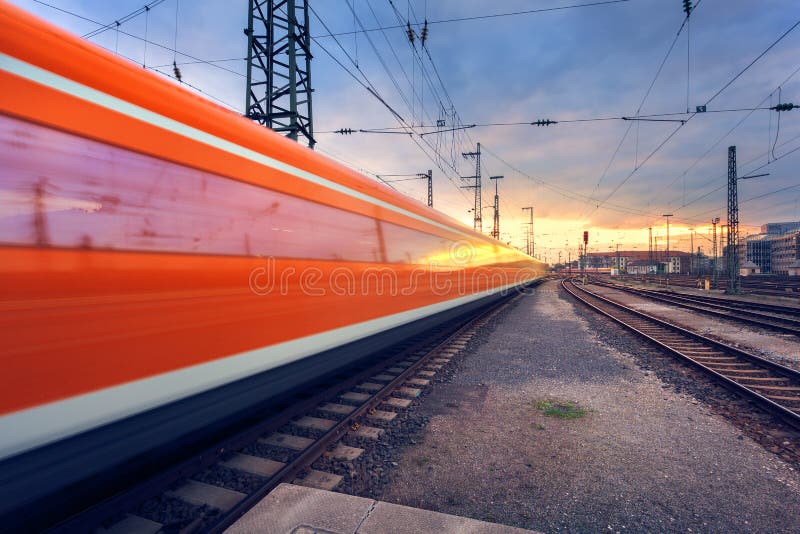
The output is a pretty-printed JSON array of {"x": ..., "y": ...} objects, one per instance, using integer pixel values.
[
  {"x": 485, "y": 17},
  {"x": 638, "y": 111},
  {"x": 649, "y": 117},
  {"x": 122, "y": 20},
  {"x": 708, "y": 151},
  {"x": 370, "y": 88},
  {"x": 711, "y": 99},
  {"x": 209, "y": 95},
  {"x": 150, "y": 42}
]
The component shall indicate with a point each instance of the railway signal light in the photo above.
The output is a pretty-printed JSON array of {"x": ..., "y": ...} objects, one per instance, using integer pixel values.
[
  {"x": 785, "y": 107},
  {"x": 545, "y": 122}
]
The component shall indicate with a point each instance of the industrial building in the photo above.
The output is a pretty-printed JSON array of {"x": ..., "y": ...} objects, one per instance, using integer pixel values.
[
  {"x": 640, "y": 261},
  {"x": 773, "y": 250}
]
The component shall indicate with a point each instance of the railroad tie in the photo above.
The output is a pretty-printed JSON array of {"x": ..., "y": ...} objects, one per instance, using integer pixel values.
[
  {"x": 132, "y": 524},
  {"x": 253, "y": 464},
  {"x": 368, "y": 432},
  {"x": 338, "y": 409},
  {"x": 200, "y": 493},
  {"x": 417, "y": 382},
  {"x": 344, "y": 453},
  {"x": 314, "y": 423},
  {"x": 384, "y": 377},
  {"x": 397, "y": 402},
  {"x": 370, "y": 386},
  {"x": 287, "y": 441},
  {"x": 319, "y": 480},
  {"x": 381, "y": 415},
  {"x": 355, "y": 396}
]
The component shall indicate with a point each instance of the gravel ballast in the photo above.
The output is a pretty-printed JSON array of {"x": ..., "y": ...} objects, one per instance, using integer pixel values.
[{"x": 640, "y": 455}]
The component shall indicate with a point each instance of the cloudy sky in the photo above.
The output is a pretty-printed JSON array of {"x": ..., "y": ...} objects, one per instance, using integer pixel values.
[{"x": 612, "y": 177}]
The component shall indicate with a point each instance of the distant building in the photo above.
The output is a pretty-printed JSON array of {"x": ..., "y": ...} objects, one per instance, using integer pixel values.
[
  {"x": 785, "y": 252},
  {"x": 679, "y": 262},
  {"x": 639, "y": 267},
  {"x": 748, "y": 268},
  {"x": 780, "y": 228},
  {"x": 772, "y": 253}
]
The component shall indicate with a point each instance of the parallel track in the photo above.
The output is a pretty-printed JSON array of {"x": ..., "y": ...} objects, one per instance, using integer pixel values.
[
  {"x": 389, "y": 384},
  {"x": 734, "y": 311},
  {"x": 772, "y": 386}
]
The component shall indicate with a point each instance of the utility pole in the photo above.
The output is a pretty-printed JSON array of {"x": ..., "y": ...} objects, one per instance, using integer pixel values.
[
  {"x": 714, "y": 223},
  {"x": 430, "y": 188},
  {"x": 655, "y": 252},
  {"x": 733, "y": 220},
  {"x": 531, "y": 248},
  {"x": 278, "y": 89},
  {"x": 650, "y": 250},
  {"x": 583, "y": 263},
  {"x": 669, "y": 261},
  {"x": 477, "y": 222},
  {"x": 733, "y": 223},
  {"x": 619, "y": 268},
  {"x": 428, "y": 176},
  {"x": 691, "y": 249},
  {"x": 496, "y": 225}
]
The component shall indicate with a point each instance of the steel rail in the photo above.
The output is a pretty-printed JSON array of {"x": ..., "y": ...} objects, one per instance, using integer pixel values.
[
  {"x": 420, "y": 349},
  {"x": 785, "y": 325},
  {"x": 318, "y": 448},
  {"x": 789, "y": 415}
]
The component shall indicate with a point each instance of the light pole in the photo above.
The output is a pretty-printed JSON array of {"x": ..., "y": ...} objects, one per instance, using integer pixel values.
[
  {"x": 531, "y": 248},
  {"x": 669, "y": 260}
]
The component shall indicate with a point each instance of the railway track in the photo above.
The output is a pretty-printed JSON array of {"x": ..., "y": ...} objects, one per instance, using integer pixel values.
[
  {"x": 358, "y": 406},
  {"x": 775, "y": 318},
  {"x": 772, "y": 386}
]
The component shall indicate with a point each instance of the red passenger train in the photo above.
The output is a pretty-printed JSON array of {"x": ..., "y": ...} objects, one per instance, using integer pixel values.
[{"x": 166, "y": 263}]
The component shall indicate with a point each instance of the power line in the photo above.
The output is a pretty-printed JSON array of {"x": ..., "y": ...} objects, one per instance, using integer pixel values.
[
  {"x": 482, "y": 17},
  {"x": 165, "y": 47},
  {"x": 721, "y": 138},
  {"x": 370, "y": 87},
  {"x": 724, "y": 185},
  {"x": 123, "y": 19},
  {"x": 762, "y": 54},
  {"x": 561, "y": 121},
  {"x": 713, "y": 97},
  {"x": 638, "y": 110}
]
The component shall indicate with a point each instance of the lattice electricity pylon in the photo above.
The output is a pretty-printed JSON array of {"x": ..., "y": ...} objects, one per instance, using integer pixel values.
[
  {"x": 496, "y": 223},
  {"x": 278, "y": 92},
  {"x": 429, "y": 176},
  {"x": 477, "y": 220},
  {"x": 733, "y": 223}
]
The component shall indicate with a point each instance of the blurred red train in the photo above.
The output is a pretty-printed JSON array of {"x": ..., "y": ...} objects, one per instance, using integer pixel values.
[{"x": 166, "y": 263}]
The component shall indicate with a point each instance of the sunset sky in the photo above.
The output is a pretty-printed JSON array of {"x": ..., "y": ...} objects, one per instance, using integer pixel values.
[{"x": 577, "y": 63}]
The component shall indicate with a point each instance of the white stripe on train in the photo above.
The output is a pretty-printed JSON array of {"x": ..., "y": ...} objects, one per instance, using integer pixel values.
[{"x": 65, "y": 85}]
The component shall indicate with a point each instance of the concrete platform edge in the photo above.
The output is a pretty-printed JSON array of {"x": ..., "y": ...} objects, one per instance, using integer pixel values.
[{"x": 290, "y": 508}]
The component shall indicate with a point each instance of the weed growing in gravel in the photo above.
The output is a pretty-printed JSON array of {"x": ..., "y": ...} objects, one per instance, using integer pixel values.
[{"x": 560, "y": 409}]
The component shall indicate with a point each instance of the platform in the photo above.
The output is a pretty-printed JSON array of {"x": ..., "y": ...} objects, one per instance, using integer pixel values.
[{"x": 300, "y": 510}]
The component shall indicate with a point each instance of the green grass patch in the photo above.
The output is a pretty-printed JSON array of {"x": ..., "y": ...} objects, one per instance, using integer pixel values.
[{"x": 560, "y": 409}]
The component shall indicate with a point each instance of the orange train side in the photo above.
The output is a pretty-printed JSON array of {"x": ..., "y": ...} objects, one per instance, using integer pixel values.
[{"x": 138, "y": 224}]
